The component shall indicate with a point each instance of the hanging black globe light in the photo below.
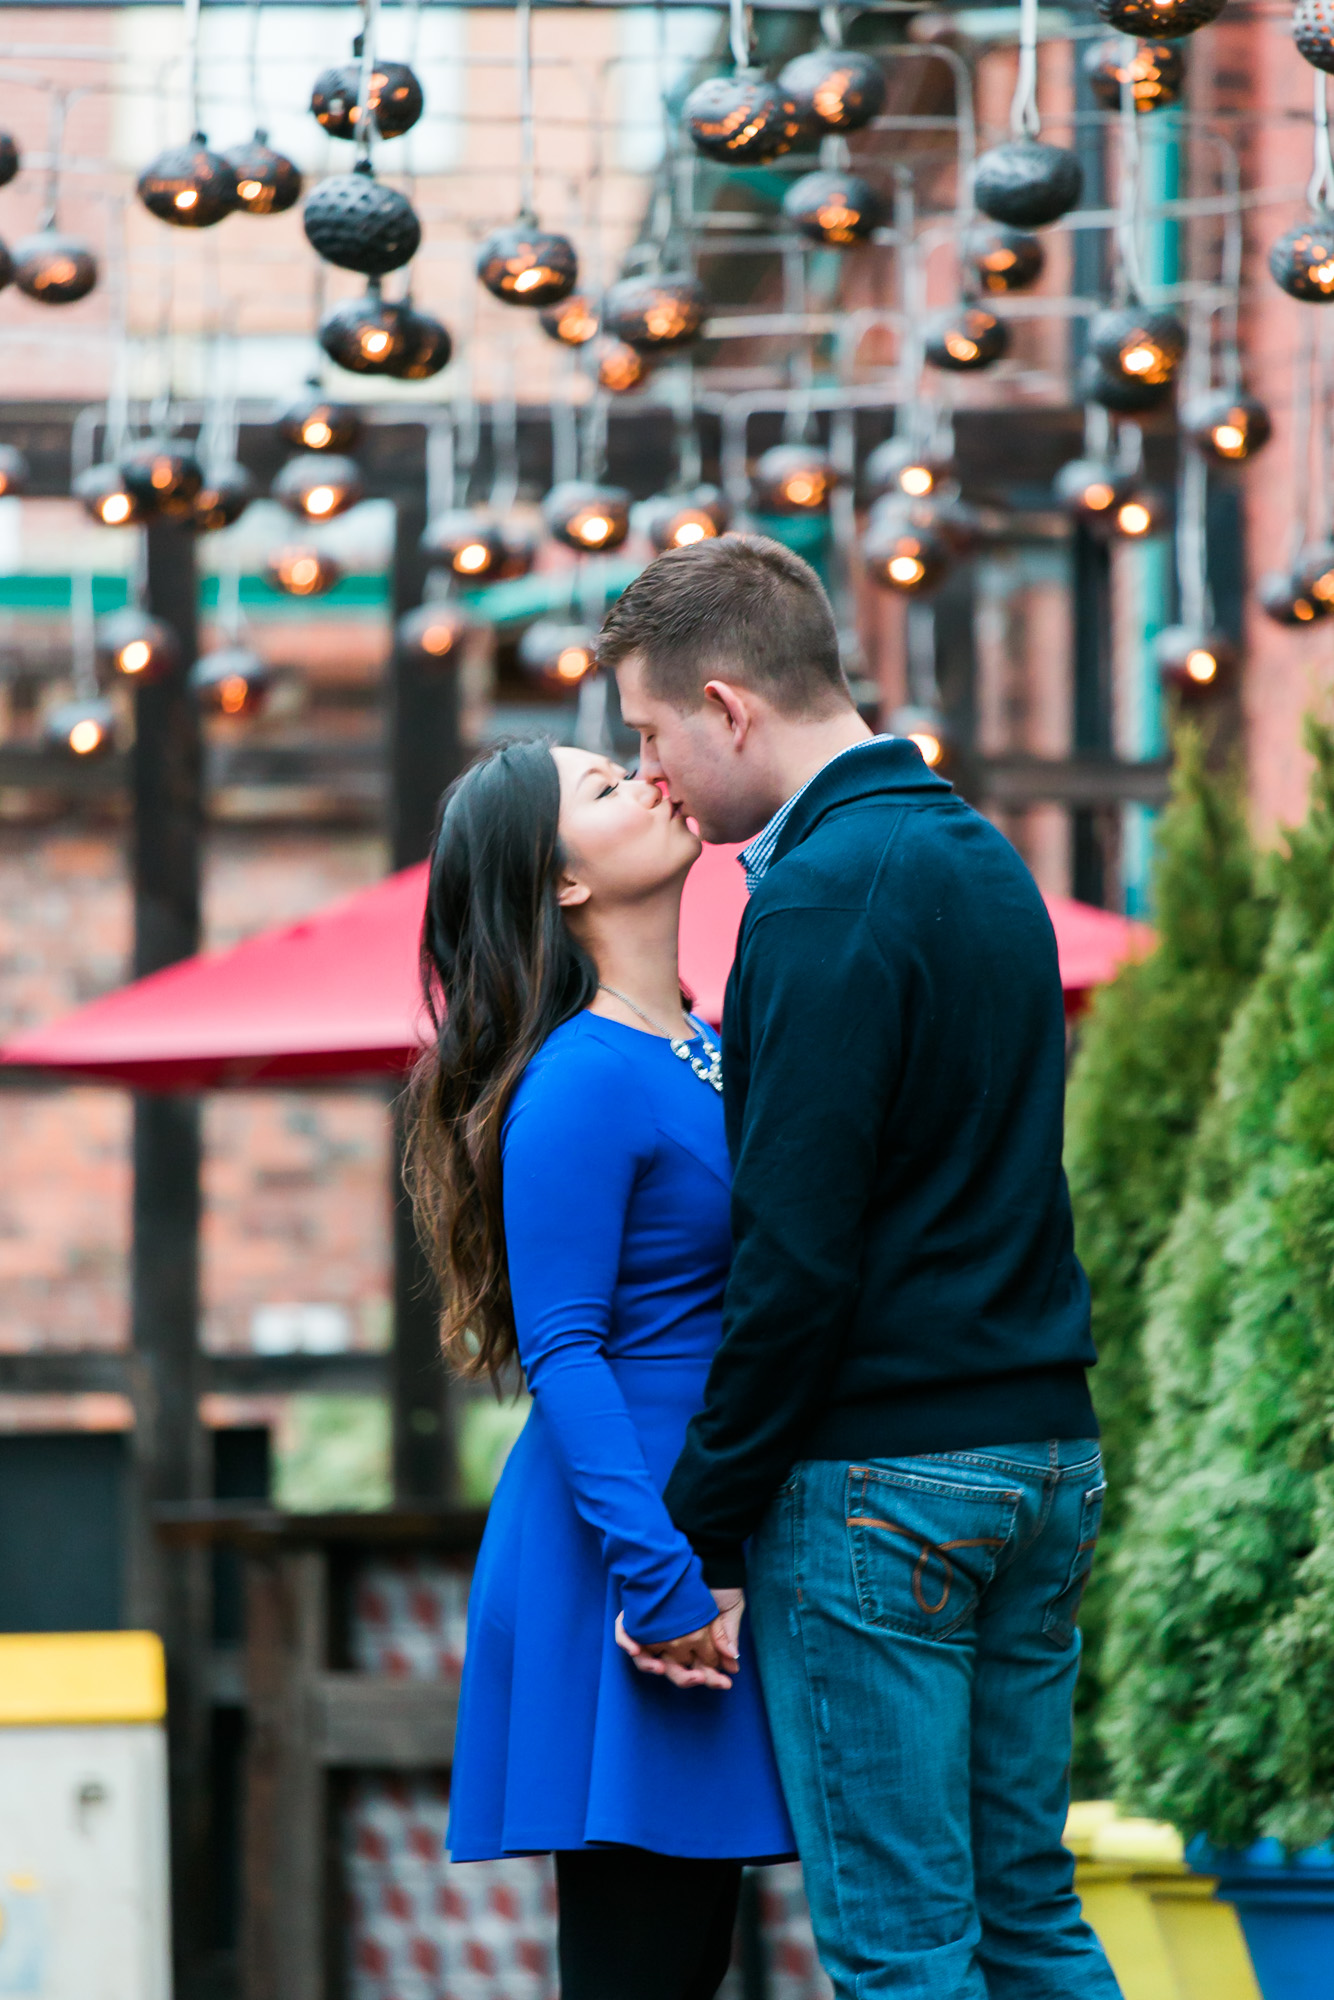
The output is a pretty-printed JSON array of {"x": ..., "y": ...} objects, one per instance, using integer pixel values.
[
  {"x": 742, "y": 117},
  {"x": 836, "y": 90},
  {"x": 1313, "y": 32},
  {"x": 902, "y": 554},
  {"x": 836, "y": 208},
  {"x": 621, "y": 368},
  {"x": 1155, "y": 74},
  {"x": 1163, "y": 20},
  {"x": 165, "y": 479},
  {"x": 793, "y": 479},
  {"x": 9, "y": 158},
  {"x": 1228, "y": 428},
  {"x": 965, "y": 338},
  {"x": 358, "y": 223},
  {"x": 527, "y": 266},
  {"x": 1136, "y": 344},
  {"x": 14, "y": 471},
  {"x": 85, "y": 727},
  {"x": 558, "y": 652},
  {"x": 139, "y": 648},
  {"x": 655, "y": 314},
  {"x": 586, "y": 516},
  {"x": 1126, "y": 395},
  {"x": 302, "y": 572},
  {"x": 1091, "y": 489},
  {"x": 926, "y": 728},
  {"x": 368, "y": 336},
  {"x": 1302, "y": 260},
  {"x": 429, "y": 346},
  {"x": 573, "y": 321},
  {"x": 189, "y": 186},
  {"x": 1025, "y": 182},
  {"x": 231, "y": 681},
  {"x": 1315, "y": 573},
  {"x": 54, "y": 269},
  {"x": 1142, "y": 514},
  {"x": 1282, "y": 596},
  {"x": 433, "y": 634},
  {"x": 1003, "y": 259},
  {"x": 318, "y": 424},
  {"x": 224, "y": 496},
  {"x": 394, "y": 99},
  {"x": 466, "y": 543},
  {"x": 899, "y": 465},
  {"x": 316, "y": 486},
  {"x": 679, "y": 520},
  {"x": 267, "y": 182},
  {"x": 101, "y": 492},
  {"x": 1193, "y": 663}
]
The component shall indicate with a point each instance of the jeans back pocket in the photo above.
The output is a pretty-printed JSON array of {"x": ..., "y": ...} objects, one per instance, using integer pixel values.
[
  {"x": 924, "y": 1548},
  {"x": 1062, "y": 1613}
]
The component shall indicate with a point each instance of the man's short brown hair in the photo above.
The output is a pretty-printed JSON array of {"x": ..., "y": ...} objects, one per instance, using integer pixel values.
[{"x": 740, "y": 608}]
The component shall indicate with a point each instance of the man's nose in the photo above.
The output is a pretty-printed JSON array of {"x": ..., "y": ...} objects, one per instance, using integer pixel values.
[{"x": 649, "y": 767}]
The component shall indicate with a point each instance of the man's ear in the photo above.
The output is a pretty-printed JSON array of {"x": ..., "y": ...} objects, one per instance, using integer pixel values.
[
  {"x": 735, "y": 704},
  {"x": 572, "y": 892}
]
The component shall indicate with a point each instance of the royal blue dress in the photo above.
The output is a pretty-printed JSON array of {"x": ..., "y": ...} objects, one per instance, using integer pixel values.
[{"x": 616, "y": 1224}]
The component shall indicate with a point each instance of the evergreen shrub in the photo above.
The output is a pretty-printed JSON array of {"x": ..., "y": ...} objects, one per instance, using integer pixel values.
[
  {"x": 1220, "y": 1659},
  {"x": 1148, "y": 1050}
]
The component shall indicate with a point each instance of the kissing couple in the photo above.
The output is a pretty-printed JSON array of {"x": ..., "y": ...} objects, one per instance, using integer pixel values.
[{"x": 800, "y": 1316}]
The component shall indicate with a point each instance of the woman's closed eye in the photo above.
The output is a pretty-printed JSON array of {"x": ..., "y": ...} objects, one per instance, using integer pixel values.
[{"x": 612, "y": 785}]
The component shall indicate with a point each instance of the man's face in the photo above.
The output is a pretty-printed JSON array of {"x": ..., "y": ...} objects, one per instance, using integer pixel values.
[{"x": 697, "y": 757}]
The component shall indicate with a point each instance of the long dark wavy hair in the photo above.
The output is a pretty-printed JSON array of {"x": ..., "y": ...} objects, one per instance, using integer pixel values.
[{"x": 500, "y": 970}]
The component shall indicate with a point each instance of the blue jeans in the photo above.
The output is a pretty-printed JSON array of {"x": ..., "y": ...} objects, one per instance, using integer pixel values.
[{"x": 914, "y": 1623}]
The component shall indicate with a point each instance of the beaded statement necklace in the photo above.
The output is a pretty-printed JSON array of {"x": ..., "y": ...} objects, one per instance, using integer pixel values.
[{"x": 710, "y": 1072}]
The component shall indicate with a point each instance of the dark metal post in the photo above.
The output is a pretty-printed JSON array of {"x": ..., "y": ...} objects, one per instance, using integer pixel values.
[
  {"x": 424, "y": 755},
  {"x": 169, "y": 1591}
]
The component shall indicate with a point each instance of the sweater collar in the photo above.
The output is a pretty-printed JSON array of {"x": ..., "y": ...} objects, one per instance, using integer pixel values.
[
  {"x": 759, "y": 852},
  {"x": 891, "y": 768}
]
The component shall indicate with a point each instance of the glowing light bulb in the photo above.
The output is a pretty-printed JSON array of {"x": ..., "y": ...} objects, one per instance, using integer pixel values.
[
  {"x": 132, "y": 659},
  {"x": 1139, "y": 360},
  {"x": 1201, "y": 665},
  {"x": 906, "y": 569},
  {"x": 1134, "y": 518},
  {"x": 85, "y": 737},
  {"x": 931, "y": 747},
  {"x": 961, "y": 347},
  {"x": 437, "y": 640},
  {"x": 1323, "y": 275},
  {"x": 802, "y": 490},
  {"x": 1099, "y": 496},
  {"x": 321, "y": 500},
  {"x": 1229, "y": 439},
  {"x": 249, "y": 189},
  {"x": 572, "y": 663},
  {"x": 187, "y": 198},
  {"x": 917, "y": 480},
  {"x": 375, "y": 341},
  {"x": 316, "y": 433},
  {"x": 1303, "y": 608},
  {"x": 303, "y": 572},
  {"x": 115, "y": 509},
  {"x": 594, "y": 530},
  {"x": 233, "y": 694},
  {"x": 689, "y": 533},
  {"x": 528, "y": 281},
  {"x": 472, "y": 557}
]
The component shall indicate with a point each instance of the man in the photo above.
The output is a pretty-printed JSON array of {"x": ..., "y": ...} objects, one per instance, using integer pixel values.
[{"x": 897, "y": 1453}]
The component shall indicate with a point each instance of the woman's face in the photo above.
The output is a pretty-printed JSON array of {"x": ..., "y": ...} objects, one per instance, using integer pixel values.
[{"x": 623, "y": 840}]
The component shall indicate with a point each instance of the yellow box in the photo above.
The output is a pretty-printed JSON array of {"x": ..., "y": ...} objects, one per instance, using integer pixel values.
[
  {"x": 1166, "y": 1936},
  {"x": 63, "y": 1677}
]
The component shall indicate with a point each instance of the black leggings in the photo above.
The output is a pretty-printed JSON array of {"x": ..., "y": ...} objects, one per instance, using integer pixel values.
[{"x": 641, "y": 1926}]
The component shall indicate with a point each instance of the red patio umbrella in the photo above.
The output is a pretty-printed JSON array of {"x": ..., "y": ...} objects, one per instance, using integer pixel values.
[{"x": 336, "y": 996}]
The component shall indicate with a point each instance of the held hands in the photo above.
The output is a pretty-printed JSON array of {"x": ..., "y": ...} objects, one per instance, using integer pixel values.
[{"x": 706, "y": 1658}]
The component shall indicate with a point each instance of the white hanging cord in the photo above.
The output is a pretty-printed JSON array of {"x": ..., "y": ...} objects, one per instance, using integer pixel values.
[
  {"x": 439, "y": 462},
  {"x": 801, "y": 362},
  {"x": 83, "y": 643},
  {"x": 1320, "y": 188},
  {"x": 56, "y": 127},
  {"x": 523, "y": 15},
  {"x": 1024, "y": 119},
  {"x": 594, "y": 452},
  {"x": 1192, "y": 552},
  {"x": 739, "y": 33},
  {"x": 118, "y": 397},
  {"x": 505, "y": 437},
  {"x": 689, "y": 459},
  {"x": 831, "y": 24},
  {"x": 252, "y": 63},
  {"x": 565, "y": 426},
  {"x": 1301, "y": 437},
  {"x": 191, "y": 39},
  {"x": 1097, "y": 431},
  {"x": 1128, "y": 193},
  {"x": 1320, "y": 431},
  {"x": 370, "y": 23}
]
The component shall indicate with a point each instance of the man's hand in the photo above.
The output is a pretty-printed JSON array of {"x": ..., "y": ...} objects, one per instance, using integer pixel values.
[{"x": 706, "y": 1658}]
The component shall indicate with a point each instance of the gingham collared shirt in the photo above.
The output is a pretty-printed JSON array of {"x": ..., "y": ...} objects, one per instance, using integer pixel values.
[{"x": 755, "y": 857}]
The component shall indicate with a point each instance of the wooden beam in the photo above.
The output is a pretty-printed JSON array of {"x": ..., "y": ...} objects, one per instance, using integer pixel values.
[{"x": 377, "y": 1722}]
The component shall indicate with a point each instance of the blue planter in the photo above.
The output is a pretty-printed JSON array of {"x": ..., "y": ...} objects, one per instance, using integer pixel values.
[{"x": 1286, "y": 1909}]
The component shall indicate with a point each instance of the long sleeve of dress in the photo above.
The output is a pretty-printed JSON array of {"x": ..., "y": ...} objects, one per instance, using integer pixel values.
[{"x": 576, "y": 1138}]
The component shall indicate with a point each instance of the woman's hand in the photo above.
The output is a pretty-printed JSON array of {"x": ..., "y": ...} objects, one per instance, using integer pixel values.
[{"x": 706, "y": 1658}]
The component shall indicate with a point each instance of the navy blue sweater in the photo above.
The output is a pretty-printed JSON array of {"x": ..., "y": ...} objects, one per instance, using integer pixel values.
[{"x": 904, "y": 1278}]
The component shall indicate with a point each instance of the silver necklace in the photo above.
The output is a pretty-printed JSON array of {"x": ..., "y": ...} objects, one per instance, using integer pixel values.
[{"x": 707, "y": 1072}]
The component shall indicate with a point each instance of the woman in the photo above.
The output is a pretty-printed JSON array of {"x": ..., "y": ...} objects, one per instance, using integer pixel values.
[{"x": 571, "y": 1177}]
